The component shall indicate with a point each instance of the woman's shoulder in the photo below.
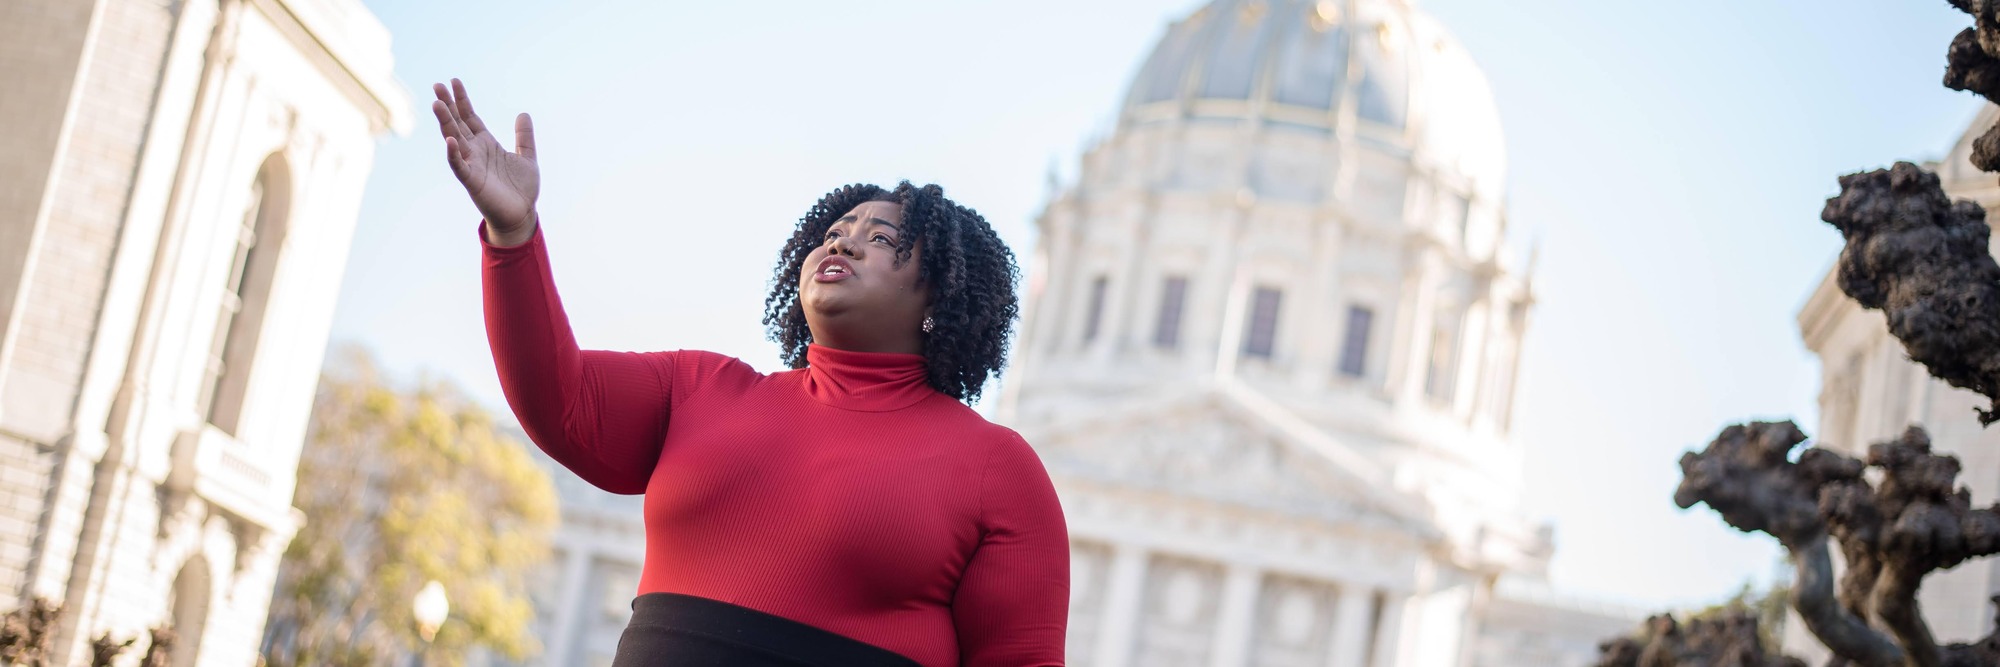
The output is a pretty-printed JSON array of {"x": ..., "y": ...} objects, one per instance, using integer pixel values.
[
  {"x": 963, "y": 418},
  {"x": 995, "y": 443},
  {"x": 692, "y": 371}
]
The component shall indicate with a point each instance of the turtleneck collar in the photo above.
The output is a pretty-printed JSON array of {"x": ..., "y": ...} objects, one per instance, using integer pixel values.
[{"x": 865, "y": 381}]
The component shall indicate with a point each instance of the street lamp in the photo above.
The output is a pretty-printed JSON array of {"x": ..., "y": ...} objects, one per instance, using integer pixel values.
[{"x": 429, "y": 608}]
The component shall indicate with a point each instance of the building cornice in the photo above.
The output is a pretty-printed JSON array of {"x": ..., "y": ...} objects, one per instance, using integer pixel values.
[{"x": 339, "y": 48}]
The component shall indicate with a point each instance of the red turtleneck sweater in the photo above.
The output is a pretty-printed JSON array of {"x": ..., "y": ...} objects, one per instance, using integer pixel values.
[{"x": 848, "y": 495}]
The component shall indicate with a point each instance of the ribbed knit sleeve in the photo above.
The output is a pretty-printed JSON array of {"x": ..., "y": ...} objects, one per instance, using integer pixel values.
[
  {"x": 601, "y": 414},
  {"x": 1012, "y": 604}
]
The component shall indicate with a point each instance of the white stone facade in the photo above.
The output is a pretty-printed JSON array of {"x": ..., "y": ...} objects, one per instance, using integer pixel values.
[
  {"x": 1268, "y": 358},
  {"x": 178, "y": 189},
  {"x": 1871, "y": 392},
  {"x": 1270, "y": 352}
]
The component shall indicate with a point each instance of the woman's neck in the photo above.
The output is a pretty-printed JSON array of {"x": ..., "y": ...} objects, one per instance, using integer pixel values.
[{"x": 866, "y": 381}]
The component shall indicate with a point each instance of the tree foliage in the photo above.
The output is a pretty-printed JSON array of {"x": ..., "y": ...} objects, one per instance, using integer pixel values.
[
  {"x": 1766, "y": 606},
  {"x": 28, "y": 633},
  {"x": 1725, "y": 637},
  {"x": 399, "y": 489}
]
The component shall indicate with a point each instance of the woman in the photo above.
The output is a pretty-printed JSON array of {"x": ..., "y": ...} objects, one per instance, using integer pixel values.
[{"x": 851, "y": 511}]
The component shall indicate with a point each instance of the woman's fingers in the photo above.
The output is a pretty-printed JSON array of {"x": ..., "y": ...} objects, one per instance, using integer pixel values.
[
  {"x": 449, "y": 120},
  {"x": 446, "y": 124},
  {"x": 465, "y": 113},
  {"x": 524, "y": 136},
  {"x": 452, "y": 157}
]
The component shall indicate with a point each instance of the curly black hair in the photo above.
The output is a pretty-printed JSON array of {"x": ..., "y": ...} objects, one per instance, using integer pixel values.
[{"x": 970, "y": 271}]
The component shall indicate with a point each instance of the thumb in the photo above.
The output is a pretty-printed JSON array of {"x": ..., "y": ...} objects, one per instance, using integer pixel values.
[{"x": 524, "y": 136}]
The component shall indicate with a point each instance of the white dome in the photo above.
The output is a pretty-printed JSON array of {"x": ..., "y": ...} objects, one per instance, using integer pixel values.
[{"x": 1391, "y": 69}]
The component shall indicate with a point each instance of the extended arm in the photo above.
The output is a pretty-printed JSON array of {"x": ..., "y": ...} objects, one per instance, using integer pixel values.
[{"x": 601, "y": 414}]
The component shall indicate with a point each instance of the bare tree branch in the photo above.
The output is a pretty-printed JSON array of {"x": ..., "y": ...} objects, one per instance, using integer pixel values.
[
  {"x": 1923, "y": 261},
  {"x": 1745, "y": 476},
  {"x": 1894, "y": 532}
]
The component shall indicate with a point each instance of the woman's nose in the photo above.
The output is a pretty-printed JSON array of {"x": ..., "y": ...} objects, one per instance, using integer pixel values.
[{"x": 841, "y": 246}]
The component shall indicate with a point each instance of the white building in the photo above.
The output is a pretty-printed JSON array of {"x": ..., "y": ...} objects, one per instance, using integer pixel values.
[
  {"x": 178, "y": 187},
  {"x": 1269, "y": 361},
  {"x": 1871, "y": 392},
  {"x": 1271, "y": 354}
]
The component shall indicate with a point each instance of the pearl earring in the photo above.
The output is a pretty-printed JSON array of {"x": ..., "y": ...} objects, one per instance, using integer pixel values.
[{"x": 929, "y": 324}]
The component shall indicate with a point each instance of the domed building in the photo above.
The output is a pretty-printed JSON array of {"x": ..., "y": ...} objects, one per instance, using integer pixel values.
[{"x": 1270, "y": 355}]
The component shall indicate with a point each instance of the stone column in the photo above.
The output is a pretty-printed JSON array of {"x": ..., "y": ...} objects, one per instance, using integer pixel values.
[
  {"x": 1121, "y": 296},
  {"x": 1391, "y": 631},
  {"x": 1237, "y": 626},
  {"x": 569, "y": 603},
  {"x": 1235, "y": 311},
  {"x": 1210, "y": 292},
  {"x": 1043, "y": 301},
  {"x": 1351, "y": 615},
  {"x": 1474, "y": 346},
  {"x": 1047, "y": 322},
  {"x": 1321, "y": 310},
  {"x": 1410, "y": 354},
  {"x": 1122, "y": 594}
]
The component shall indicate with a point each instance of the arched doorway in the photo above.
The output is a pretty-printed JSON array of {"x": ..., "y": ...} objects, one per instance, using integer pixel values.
[{"x": 192, "y": 589}]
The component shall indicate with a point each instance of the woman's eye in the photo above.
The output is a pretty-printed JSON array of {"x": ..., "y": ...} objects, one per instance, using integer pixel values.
[
  {"x": 881, "y": 238},
  {"x": 832, "y": 235}
]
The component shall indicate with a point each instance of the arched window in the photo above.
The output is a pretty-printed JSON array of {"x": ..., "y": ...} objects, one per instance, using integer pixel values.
[{"x": 246, "y": 290}]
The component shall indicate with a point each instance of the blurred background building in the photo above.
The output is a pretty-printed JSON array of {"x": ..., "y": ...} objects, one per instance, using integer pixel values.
[
  {"x": 177, "y": 193},
  {"x": 1269, "y": 359},
  {"x": 1870, "y": 392}
]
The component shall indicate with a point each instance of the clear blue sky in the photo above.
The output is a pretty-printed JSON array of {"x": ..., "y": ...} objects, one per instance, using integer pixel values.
[{"x": 1671, "y": 158}]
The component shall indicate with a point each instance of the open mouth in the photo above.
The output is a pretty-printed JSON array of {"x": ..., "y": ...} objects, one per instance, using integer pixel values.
[{"x": 833, "y": 268}]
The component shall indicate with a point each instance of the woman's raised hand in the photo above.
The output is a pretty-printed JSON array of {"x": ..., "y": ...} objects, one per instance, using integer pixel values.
[{"x": 503, "y": 185}]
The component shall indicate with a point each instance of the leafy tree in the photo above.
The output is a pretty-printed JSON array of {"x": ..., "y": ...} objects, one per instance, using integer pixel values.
[
  {"x": 1723, "y": 637},
  {"x": 1767, "y": 606},
  {"x": 28, "y": 633},
  {"x": 399, "y": 489}
]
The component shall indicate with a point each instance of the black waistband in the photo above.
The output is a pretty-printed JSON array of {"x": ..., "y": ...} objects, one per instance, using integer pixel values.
[{"x": 673, "y": 630}]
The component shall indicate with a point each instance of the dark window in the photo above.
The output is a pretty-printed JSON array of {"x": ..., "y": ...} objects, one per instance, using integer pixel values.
[
  {"x": 1263, "y": 329},
  {"x": 1167, "y": 332},
  {"x": 245, "y": 291},
  {"x": 1095, "y": 317},
  {"x": 1354, "y": 347}
]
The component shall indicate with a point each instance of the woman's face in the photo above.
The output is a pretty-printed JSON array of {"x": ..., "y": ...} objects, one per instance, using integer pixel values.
[{"x": 855, "y": 295}]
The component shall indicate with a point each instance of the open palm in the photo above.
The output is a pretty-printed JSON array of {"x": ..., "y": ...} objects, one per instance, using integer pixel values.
[{"x": 503, "y": 185}]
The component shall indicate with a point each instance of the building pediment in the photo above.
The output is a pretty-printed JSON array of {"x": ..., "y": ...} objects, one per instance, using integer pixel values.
[{"x": 1209, "y": 446}]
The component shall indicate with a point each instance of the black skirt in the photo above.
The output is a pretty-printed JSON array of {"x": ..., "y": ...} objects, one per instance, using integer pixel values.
[{"x": 673, "y": 630}]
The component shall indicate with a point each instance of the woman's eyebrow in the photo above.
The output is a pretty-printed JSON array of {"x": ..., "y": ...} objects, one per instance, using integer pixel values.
[{"x": 877, "y": 221}]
